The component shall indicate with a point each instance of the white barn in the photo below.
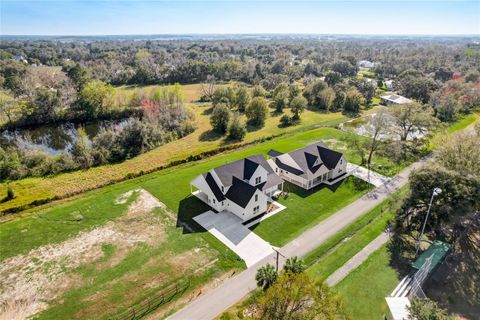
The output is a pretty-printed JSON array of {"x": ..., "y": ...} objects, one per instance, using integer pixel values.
[
  {"x": 243, "y": 187},
  {"x": 310, "y": 166}
]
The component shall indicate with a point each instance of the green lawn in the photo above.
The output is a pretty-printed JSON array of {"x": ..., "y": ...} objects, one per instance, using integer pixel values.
[
  {"x": 364, "y": 290},
  {"x": 307, "y": 208},
  {"x": 462, "y": 123}
]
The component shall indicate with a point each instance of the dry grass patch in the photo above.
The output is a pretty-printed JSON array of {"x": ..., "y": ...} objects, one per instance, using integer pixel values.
[{"x": 30, "y": 281}]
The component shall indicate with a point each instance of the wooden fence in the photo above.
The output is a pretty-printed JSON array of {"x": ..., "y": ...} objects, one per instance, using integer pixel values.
[{"x": 143, "y": 308}]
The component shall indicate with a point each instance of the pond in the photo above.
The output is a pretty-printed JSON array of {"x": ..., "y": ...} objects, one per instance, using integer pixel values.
[
  {"x": 56, "y": 138},
  {"x": 361, "y": 126}
]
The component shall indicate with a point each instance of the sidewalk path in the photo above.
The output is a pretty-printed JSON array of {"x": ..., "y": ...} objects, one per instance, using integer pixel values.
[
  {"x": 374, "y": 178},
  {"x": 357, "y": 259},
  {"x": 213, "y": 303}
]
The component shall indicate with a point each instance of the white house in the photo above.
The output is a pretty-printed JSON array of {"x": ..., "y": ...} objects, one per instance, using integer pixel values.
[
  {"x": 390, "y": 85},
  {"x": 393, "y": 99},
  {"x": 243, "y": 187},
  {"x": 309, "y": 166},
  {"x": 366, "y": 64}
]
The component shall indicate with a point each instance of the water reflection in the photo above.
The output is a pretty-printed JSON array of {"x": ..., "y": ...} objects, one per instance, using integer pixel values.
[{"x": 56, "y": 138}]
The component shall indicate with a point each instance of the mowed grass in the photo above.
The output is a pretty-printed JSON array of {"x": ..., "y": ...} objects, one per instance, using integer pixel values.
[
  {"x": 35, "y": 190},
  {"x": 462, "y": 123},
  {"x": 305, "y": 209},
  {"x": 364, "y": 290}
]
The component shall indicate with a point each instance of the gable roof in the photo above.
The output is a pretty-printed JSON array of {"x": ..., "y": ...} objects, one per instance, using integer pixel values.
[
  {"x": 214, "y": 187},
  {"x": 274, "y": 153},
  {"x": 240, "y": 192},
  {"x": 242, "y": 169},
  {"x": 308, "y": 159}
]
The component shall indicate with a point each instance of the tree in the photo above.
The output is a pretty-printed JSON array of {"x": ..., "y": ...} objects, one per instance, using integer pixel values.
[
  {"x": 294, "y": 265},
  {"x": 325, "y": 98},
  {"x": 242, "y": 98},
  {"x": 285, "y": 121},
  {"x": 297, "y": 106},
  {"x": 208, "y": 88},
  {"x": 332, "y": 78},
  {"x": 294, "y": 91},
  {"x": 220, "y": 118},
  {"x": 353, "y": 100},
  {"x": 339, "y": 101},
  {"x": 236, "y": 128},
  {"x": 367, "y": 89},
  {"x": 281, "y": 96},
  {"x": 79, "y": 76},
  {"x": 93, "y": 97},
  {"x": 256, "y": 111},
  {"x": 266, "y": 276},
  {"x": 80, "y": 150},
  {"x": 224, "y": 95},
  {"x": 412, "y": 117},
  {"x": 378, "y": 126},
  {"x": 259, "y": 91},
  {"x": 312, "y": 91},
  {"x": 414, "y": 85},
  {"x": 297, "y": 296},
  {"x": 426, "y": 309},
  {"x": 345, "y": 68}
]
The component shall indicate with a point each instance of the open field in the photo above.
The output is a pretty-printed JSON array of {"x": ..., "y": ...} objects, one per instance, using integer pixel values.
[
  {"x": 93, "y": 265},
  {"x": 37, "y": 190}
]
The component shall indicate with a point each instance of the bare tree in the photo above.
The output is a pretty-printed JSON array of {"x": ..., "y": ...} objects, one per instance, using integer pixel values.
[
  {"x": 379, "y": 126},
  {"x": 208, "y": 87}
]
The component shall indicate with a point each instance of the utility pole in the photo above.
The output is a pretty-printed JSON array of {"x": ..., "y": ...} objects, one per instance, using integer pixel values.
[
  {"x": 277, "y": 258},
  {"x": 436, "y": 192}
]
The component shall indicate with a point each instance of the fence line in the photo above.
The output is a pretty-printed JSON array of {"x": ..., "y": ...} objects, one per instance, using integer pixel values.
[{"x": 143, "y": 308}]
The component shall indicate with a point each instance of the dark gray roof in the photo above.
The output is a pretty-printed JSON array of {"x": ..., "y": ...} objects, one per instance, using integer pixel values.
[
  {"x": 240, "y": 192},
  {"x": 274, "y": 153},
  {"x": 241, "y": 169},
  {"x": 272, "y": 180},
  {"x": 214, "y": 187},
  {"x": 306, "y": 157}
]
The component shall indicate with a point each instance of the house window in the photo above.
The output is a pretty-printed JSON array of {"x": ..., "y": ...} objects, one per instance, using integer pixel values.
[
  {"x": 223, "y": 189},
  {"x": 341, "y": 161},
  {"x": 276, "y": 170},
  {"x": 258, "y": 180},
  {"x": 222, "y": 203},
  {"x": 281, "y": 171},
  {"x": 213, "y": 201},
  {"x": 256, "y": 197}
]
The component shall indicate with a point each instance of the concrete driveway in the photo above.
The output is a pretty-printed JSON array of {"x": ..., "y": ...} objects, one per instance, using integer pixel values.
[
  {"x": 228, "y": 228},
  {"x": 374, "y": 178}
]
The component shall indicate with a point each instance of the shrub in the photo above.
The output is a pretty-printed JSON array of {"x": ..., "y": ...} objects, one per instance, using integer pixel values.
[
  {"x": 236, "y": 129},
  {"x": 285, "y": 121},
  {"x": 220, "y": 118},
  {"x": 256, "y": 111}
]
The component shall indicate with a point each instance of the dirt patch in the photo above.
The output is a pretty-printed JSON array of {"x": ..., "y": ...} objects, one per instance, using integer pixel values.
[{"x": 28, "y": 282}]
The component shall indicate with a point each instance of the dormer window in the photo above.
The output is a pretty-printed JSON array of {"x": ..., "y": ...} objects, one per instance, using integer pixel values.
[
  {"x": 223, "y": 189},
  {"x": 256, "y": 197},
  {"x": 258, "y": 180}
]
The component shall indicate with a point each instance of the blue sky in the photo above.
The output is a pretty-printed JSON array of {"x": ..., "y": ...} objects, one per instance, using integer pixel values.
[{"x": 69, "y": 17}]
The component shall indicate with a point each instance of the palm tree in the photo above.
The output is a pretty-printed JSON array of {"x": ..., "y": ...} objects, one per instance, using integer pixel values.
[
  {"x": 294, "y": 265},
  {"x": 266, "y": 276}
]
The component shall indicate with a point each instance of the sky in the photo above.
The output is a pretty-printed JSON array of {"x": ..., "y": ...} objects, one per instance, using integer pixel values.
[{"x": 90, "y": 17}]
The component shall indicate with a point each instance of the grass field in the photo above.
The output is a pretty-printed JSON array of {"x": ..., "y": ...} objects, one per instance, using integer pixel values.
[
  {"x": 36, "y": 190},
  {"x": 364, "y": 290}
]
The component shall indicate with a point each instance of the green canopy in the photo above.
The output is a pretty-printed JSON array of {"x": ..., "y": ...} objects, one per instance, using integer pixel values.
[{"x": 437, "y": 251}]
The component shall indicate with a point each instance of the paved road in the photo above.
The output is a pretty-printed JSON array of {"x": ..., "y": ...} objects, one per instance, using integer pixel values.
[
  {"x": 357, "y": 259},
  {"x": 213, "y": 303}
]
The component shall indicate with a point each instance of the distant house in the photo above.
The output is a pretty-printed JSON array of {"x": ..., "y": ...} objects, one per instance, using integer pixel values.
[
  {"x": 20, "y": 58},
  {"x": 366, "y": 64},
  {"x": 393, "y": 99},
  {"x": 310, "y": 166},
  {"x": 243, "y": 187},
  {"x": 389, "y": 84}
]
